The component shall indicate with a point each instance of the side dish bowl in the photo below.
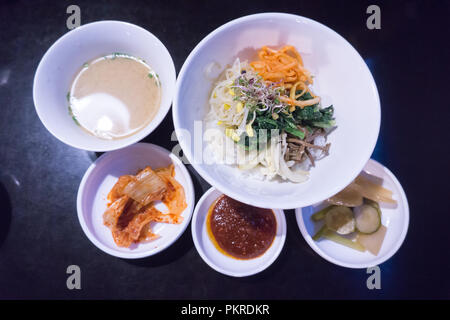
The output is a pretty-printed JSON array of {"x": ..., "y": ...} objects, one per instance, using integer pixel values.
[
  {"x": 66, "y": 56},
  {"x": 100, "y": 178},
  {"x": 222, "y": 263},
  {"x": 340, "y": 76},
  {"x": 395, "y": 218}
]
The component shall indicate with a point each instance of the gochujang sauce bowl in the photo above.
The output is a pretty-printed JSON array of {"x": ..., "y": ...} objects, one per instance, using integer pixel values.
[
  {"x": 224, "y": 263},
  {"x": 62, "y": 62}
]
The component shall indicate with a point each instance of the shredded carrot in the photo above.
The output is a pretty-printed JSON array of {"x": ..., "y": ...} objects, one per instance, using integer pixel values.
[
  {"x": 283, "y": 66},
  {"x": 300, "y": 103}
]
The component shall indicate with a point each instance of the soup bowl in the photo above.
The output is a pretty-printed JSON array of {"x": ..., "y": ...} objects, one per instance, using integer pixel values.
[
  {"x": 64, "y": 59},
  {"x": 340, "y": 75}
]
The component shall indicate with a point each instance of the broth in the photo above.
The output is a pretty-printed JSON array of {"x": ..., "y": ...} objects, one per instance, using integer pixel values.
[{"x": 115, "y": 96}]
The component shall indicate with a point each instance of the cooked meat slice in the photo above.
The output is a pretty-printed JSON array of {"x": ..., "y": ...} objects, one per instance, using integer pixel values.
[
  {"x": 311, "y": 158},
  {"x": 308, "y": 145}
]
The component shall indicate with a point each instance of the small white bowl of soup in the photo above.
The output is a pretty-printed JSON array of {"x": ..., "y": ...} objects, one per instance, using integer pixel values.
[{"x": 104, "y": 85}]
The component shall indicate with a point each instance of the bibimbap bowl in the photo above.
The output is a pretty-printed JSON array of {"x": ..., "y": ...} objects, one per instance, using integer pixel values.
[{"x": 340, "y": 76}]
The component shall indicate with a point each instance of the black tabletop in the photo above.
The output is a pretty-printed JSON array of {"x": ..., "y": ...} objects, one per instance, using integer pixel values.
[{"x": 40, "y": 235}]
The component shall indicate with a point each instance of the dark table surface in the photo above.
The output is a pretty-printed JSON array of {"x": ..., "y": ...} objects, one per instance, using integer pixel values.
[{"x": 39, "y": 231}]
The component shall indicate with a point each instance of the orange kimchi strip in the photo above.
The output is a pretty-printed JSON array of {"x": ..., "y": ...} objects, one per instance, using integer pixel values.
[{"x": 174, "y": 198}]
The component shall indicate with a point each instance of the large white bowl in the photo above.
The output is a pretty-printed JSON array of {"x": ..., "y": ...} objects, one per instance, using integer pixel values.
[
  {"x": 340, "y": 75},
  {"x": 65, "y": 57}
]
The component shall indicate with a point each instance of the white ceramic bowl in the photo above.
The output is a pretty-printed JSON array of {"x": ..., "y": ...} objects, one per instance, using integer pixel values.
[
  {"x": 100, "y": 178},
  {"x": 222, "y": 263},
  {"x": 340, "y": 76},
  {"x": 395, "y": 218},
  {"x": 65, "y": 57}
]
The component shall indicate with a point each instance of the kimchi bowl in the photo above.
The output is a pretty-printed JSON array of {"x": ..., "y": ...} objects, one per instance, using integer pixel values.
[{"x": 102, "y": 175}]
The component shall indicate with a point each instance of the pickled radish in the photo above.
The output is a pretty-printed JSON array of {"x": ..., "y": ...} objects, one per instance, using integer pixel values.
[
  {"x": 372, "y": 242},
  {"x": 348, "y": 197},
  {"x": 361, "y": 187}
]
